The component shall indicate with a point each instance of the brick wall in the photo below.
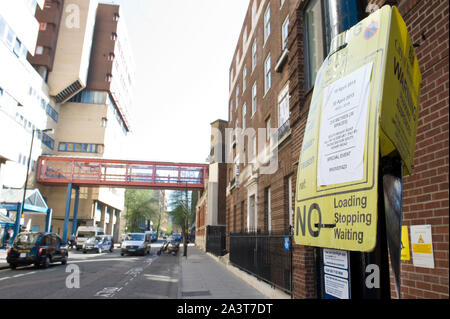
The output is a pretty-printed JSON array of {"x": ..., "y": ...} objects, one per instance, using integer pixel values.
[{"x": 425, "y": 196}]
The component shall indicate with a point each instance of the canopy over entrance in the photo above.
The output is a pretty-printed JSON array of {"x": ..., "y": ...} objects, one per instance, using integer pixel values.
[{"x": 11, "y": 200}]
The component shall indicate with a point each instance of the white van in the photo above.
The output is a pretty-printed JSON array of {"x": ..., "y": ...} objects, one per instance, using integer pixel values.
[
  {"x": 85, "y": 232},
  {"x": 136, "y": 243}
]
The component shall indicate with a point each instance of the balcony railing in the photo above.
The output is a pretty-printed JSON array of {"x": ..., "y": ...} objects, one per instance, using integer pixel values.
[{"x": 283, "y": 130}]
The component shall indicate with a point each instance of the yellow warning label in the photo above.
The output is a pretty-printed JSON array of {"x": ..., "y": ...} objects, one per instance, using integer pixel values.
[
  {"x": 420, "y": 241},
  {"x": 405, "y": 254},
  {"x": 422, "y": 248}
]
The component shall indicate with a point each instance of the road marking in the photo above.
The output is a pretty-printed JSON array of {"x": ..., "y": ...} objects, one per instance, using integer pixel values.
[
  {"x": 75, "y": 261},
  {"x": 108, "y": 292},
  {"x": 4, "y": 278},
  {"x": 21, "y": 275}
]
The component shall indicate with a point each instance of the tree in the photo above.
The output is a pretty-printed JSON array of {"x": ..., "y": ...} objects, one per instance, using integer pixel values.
[
  {"x": 141, "y": 206},
  {"x": 182, "y": 213}
]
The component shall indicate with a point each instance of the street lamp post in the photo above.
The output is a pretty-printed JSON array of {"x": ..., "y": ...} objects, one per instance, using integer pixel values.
[{"x": 26, "y": 175}]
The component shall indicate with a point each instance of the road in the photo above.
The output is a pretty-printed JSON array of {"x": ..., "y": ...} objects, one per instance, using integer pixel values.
[{"x": 91, "y": 276}]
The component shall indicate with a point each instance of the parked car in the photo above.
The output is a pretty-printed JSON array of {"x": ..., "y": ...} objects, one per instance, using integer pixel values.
[
  {"x": 178, "y": 238},
  {"x": 85, "y": 232},
  {"x": 136, "y": 243},
  {"x": 37, "y": 248},
  {"x": 98, "y": 243},
  {"x": 153, "y": 235}
]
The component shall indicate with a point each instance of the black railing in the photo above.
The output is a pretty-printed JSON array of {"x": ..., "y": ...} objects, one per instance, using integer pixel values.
[
  {"x": 216, "y": 240},
  {"x": 264, "y": 256}
]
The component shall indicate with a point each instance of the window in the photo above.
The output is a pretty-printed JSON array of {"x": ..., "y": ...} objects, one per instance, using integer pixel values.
[
  {"x": 237, "y": 97},
  {"x": 254, "y": 99},
  {"x": 42, "y": 26},
  {"x": 244, "y": 79},
  {"x": 254, "y": 146},
  {"x": 284, "y": 34},
  {"x": 267, "y": 76},
  {"x": 48, "y": 141},
  {"x": 244, "y": 112},
  {"x": 267, "y": 24},
  {"x": 244, "y": 37},
  {"x": 254, "y": 56},
  {"x": 283, "y": 107},
  {"x": 254, "y": 5},
  {"x": 10, "y": 38},
  {"x": 268, "y": 129},
  {"x": 39, "y": 50},
  {"x": 51, "y": 112},
  {"x": 48, "y": 4},
  {"x": 323, "y": 21},
  {"x": 231, "y": 111},
  {"x": 78, "y": 147},
  {"x": 2, "y": 28},
  {"x": 89, "y": 96}
]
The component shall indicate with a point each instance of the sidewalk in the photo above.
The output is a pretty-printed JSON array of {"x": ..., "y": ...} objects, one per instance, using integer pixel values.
[{"x": 201, "y": 276}]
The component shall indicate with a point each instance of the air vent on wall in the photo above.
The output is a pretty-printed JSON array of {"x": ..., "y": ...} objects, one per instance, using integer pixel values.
[{"x": 68, "y": 92}]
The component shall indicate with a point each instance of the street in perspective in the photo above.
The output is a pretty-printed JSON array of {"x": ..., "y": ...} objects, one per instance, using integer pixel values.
[{"x": 232, "y": 155}]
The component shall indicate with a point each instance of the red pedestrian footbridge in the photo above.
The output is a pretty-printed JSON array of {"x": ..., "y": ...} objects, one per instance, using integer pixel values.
[{"x": 95, "y": 172}]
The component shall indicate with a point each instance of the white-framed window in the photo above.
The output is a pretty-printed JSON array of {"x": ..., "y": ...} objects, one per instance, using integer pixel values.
[
  {"x": 254, "y": 99},
  {"x": 231, "y": 110},
  {"x": 268, "y": 129},
  {"x": 254, "y": 146},
  {"x": 2, "y": 28},
  {"x": 284, "y": 34},
  {"x": 244, "y": 113},
  {"x": 39, "y": 50},
  {"x": 283, "y": 106},
  {"x": 267, "y": 23},
  {"x": 42, "y": 26},
  {"x": 267, "y": 75},
  {"x": 244, "y": 79},
  {"x": 244, "y": 37},
  {"x": 254, "y": 6},
  {"x": 254, "y": 55}
]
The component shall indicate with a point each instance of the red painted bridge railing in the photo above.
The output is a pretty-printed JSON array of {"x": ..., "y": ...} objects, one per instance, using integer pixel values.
[{"x": 56, "y": 170}]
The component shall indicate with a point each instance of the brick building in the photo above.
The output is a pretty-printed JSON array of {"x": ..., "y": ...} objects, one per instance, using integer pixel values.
[
  {"x": 259, "y": 99},
  {"x": 288, "y": 59}
]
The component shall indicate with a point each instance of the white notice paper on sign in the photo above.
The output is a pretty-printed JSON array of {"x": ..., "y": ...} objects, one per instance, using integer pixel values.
[{"x": 343, "y": 128}]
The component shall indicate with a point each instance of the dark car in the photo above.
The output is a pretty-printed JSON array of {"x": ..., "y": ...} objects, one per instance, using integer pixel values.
[{"x": 37, "y": 248}]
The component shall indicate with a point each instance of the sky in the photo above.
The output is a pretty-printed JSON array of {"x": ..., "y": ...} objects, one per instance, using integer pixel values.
[{"x": 182, "y": 50}]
